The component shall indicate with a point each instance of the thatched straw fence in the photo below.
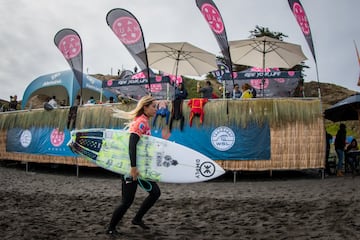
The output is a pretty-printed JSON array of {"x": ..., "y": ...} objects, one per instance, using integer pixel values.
[{"x": 297, "y": 132}]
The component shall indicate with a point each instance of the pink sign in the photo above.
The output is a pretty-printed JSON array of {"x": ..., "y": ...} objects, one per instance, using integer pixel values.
[
  {"x": 258, "y": 83},
  {"x": 213, "y": 17},
  {"x": 291, "y": 73},
  {"x": 57, "y": 137},
  {"x": 109, "y": 82},
  {"x": 301, "y": 18},
  {"x": 127, "y": 30},
  {"x": 70, "y": 46},
  {"x": 138, "y": 75}
]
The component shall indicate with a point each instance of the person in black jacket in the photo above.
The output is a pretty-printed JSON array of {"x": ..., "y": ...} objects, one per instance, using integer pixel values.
[
  {"x": 177, "y": 105},
  {"x": 327, "y": 153},
  {"x": 13, "y": 103},
  {"x": 340, "y": 142}
]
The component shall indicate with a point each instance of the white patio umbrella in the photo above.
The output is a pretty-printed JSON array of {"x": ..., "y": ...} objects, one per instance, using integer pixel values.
[
  {"x": 180, "y": 58},
  {"x": 265, "y": 52}
]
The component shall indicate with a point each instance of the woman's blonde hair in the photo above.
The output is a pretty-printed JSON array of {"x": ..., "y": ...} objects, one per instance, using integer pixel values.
[{"x": 139, "y": 110}]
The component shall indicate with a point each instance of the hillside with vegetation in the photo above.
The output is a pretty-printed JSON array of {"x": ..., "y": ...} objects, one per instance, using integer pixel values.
[{"x": 331, "y": 94}]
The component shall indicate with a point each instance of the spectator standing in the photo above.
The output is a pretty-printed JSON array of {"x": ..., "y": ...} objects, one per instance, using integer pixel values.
[
  {"x": 340, "y": 142},
  {"x": 13, "y": 103},
  {"x": 236, "y": 93},
  {"x": 180, "y": 92},
  {"x": 246, "y": 91},
  {"x": 77, "y": 101},
  {"x": 206, "y": 91},
  {"x": 328, "y": 144},
  {"x": 111, "y": 100}
]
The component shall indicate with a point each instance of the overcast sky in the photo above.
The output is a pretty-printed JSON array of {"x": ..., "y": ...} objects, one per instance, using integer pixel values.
[{"x": 27, "y": 30}]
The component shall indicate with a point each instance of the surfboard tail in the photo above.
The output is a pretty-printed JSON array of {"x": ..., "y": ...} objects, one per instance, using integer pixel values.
[{"x": 86, "y": 143}]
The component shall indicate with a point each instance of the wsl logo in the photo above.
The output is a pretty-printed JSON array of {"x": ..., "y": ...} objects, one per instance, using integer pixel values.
[
  {"x": 25, "y": 138},
  {"x": 222, "y": 138}
]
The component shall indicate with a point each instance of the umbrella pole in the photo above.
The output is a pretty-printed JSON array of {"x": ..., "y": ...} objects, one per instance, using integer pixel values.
[
  {"x": 177, "y": 67},
  {"x": 223, "y": 92},
  {"x": 263, "y": 70},
  {"x": 167, "y": 91}
]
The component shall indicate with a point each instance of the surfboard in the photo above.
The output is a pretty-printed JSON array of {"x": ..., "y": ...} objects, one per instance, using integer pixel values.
[{"x": 157, "y": 159}]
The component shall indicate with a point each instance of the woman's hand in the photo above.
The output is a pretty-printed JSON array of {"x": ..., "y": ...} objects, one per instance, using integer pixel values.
[{"x": 134, "y": 173}]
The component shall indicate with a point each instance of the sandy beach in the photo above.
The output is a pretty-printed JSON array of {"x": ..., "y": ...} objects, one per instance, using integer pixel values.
[{"x": 56, "y": 204}]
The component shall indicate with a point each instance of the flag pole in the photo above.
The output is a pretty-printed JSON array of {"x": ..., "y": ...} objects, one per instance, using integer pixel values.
[{"x": 358, "y": 57}]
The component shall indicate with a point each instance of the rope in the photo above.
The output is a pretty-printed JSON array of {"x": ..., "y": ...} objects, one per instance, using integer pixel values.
[{"x": 141, "y": 181}]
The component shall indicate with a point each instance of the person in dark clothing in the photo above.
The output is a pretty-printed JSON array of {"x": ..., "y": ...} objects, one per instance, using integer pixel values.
[
  {"x": 13, "y": 103},
  {"x": 207, "y": 91},
  {"x": 350, "y": 158},
  {"x": 176, "y": 111},
  {"x": 236, "y": 93},
  {"x": 145, "y": 109},
  {"x": 327, "y": 153},
  {"x": 180, "y": 92},
  {"x": 340, "y": 142}
]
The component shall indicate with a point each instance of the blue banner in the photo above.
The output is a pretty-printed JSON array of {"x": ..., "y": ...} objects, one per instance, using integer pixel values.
[
  {"x": 42, "y": 141},
  {"x": 225, "y": 142},
  {"x": 218, "y": 142}
]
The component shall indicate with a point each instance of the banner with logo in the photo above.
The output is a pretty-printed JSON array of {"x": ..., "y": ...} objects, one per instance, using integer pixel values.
[
  {"x": 136, "y": 86},
  {"x": 69, "y": 43},
  {"x": 127, "y": 28},
  {"x": 276, "y": 83},
  {"x": 42, "y": 141},
  {"x": 212, "y": 15},
  {"x": 257, "y": 73},
  {"x": 225, "y": 142},
  {"x": 303, "y": 22},
  {"x": 216, "y": 142},
  {"x": 273, "y": 87}
]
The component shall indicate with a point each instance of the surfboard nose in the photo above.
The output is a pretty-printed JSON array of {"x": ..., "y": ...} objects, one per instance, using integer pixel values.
[{"x": 218, "y": 171}]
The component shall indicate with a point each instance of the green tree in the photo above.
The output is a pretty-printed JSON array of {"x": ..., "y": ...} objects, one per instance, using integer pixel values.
[{"x": 264, "y": 31}]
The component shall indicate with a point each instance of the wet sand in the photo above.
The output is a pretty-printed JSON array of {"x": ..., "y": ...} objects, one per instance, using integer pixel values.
[{"x": 58, "y": 205}]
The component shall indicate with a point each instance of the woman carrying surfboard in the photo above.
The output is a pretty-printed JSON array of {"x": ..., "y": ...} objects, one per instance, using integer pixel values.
[{"x": 139, "y": 125}]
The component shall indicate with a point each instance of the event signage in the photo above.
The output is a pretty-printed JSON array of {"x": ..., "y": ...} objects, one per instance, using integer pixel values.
[
  {"x": 161, "y": 87},
  {"x": 135, "y": 81},
  {"x": 254, "y": 74},
  {"x": 42, "y": 141},
  {"x": 271, "y": 81},
  {"x": 69, "y": 43},
  {"x": 303, "y": 22},
  {"x": 212, "y": 15},
  {"x": 217, "y": 142},
  {"x": 128, "y": 30},
  {"x": 225, "y": 142}
]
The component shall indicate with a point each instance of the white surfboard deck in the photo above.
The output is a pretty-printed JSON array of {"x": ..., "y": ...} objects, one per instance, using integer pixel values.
[{"x": 157, "y": 159}]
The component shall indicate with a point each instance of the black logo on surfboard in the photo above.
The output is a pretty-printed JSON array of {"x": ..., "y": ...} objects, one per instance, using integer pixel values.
[
  {"x": 165, "y": 161},
  {"x": 207, "y": 169}
]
